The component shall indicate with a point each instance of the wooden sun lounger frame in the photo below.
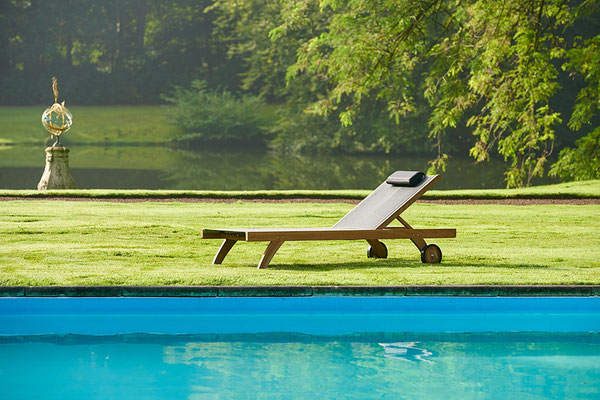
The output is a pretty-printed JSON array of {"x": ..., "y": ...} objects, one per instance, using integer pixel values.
[{"x": 277, "y": 237}]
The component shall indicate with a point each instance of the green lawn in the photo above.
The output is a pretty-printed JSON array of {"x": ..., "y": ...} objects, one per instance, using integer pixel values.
[
  {"x": 122, "y": 125},
  {"x": 105, "y": 243},
  {"x": 91, "y": 125},
  {"x": 581, "y": 189}
]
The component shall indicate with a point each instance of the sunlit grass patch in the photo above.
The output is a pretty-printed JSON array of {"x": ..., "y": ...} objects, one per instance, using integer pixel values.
[{"x": 103, "y": 243}]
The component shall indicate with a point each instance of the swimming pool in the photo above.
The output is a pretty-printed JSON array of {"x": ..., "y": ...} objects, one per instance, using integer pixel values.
[{"x": 330, "y": 347}]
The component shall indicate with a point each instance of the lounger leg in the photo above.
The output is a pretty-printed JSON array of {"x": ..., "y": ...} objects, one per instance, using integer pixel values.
[
  {"x": 418, "y": 241},
  {"x": 269, "y": 253},
  {"x": 223, "y": 250}
]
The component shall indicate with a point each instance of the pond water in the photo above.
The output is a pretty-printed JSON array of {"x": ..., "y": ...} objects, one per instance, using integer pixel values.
[{"x": 157, "y": 167}]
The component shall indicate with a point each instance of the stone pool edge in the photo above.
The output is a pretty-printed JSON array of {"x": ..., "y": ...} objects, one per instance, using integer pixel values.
[{"x": 302, "y": 291}]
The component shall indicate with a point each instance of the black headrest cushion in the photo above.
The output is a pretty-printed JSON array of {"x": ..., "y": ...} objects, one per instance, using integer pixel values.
[{"x": 405, "y": 178}]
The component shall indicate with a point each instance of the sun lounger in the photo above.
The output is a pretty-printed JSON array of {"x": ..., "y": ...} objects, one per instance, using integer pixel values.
[{"x": 368, "y": 221}]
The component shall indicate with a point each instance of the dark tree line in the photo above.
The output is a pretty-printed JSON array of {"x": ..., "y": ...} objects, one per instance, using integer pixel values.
[
  {"x": 108, "y": 52},
  {"x": 515, "y": 79}
]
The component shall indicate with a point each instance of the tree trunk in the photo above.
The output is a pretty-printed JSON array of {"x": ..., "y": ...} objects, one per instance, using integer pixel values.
[
  {"x": 5, "y": 11},
  {"x": 141, "y": 11},
  {"x": 68, "y": 29},
  {"x": 32, "y": 45},
  {"x": 116, "y": 61}
]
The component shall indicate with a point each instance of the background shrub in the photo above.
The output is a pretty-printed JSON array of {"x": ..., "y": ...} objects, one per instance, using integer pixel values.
[{"x": 216, "y": 116}]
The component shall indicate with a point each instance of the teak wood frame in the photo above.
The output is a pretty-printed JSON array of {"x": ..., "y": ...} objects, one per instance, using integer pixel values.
[{"x": 276, "y": 237}]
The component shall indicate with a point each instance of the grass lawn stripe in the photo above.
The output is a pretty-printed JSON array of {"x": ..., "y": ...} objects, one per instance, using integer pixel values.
[
  {"x": 574, "y": 190},
  {"x": 101, "y": 243}
]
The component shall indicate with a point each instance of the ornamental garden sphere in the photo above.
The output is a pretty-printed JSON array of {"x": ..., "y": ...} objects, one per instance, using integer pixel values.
[{"x": 57, "y": 118}]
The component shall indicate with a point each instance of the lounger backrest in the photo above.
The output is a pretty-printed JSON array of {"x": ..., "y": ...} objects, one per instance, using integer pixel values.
[{"x": 382, "y": 206}]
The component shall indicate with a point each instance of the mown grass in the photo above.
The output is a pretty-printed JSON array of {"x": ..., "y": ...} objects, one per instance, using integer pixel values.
[
  {"x": 115, "y": 125},
  {"x": 582, "y": 189},
  {"x": 106, "y": 243},
  {"x": 91, "y": 125}
]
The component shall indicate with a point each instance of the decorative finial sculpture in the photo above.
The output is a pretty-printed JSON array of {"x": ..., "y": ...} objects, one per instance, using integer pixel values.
[{"x": 57, "y": 119}]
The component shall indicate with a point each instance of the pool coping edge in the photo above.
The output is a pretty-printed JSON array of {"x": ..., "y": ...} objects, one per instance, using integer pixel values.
[{"x": 302, "y": 291}]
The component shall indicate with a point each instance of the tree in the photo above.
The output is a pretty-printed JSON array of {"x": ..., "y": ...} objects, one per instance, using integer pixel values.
[
  {"x": 113, "y": 51},
  {"x": 583, "y": 162},
  {"x": 493, "y": 65},
  {"x": 250, "y": 30}
]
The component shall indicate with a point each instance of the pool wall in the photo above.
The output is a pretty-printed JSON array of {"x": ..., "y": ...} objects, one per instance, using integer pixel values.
[{"x": 315, "y": 315}]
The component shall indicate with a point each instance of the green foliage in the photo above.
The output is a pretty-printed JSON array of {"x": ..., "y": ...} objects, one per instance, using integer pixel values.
[
  {"x": 215, "y": 116},
  {"x": 245, "y": 27},
  {"x": 581, "y": 163},
  {"x": 371, "y": 131},
  {"x": 499, "y": 70},
  {"x": 490, "y": 63},
  {"x": 108, "y": 52},
  {"x": 253, "y": 31}
]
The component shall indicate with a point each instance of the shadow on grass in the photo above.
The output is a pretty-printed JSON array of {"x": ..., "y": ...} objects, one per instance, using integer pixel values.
[{"x": 404, "y": 264}]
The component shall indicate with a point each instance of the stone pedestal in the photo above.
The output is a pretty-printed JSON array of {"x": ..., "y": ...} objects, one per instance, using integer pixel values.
[{"x": 56, "y": 174}]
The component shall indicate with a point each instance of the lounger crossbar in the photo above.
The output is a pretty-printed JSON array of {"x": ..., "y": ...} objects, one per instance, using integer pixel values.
[
  {"x": 288, "y": 235},
  {"x": 368, "y": 221}
]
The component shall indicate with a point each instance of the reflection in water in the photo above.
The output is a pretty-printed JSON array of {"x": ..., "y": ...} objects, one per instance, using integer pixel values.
[
  {"x": 255, "y": 171},
  {"x": 158, "y": 167},
  {"x": 271, "y": 365},
  {"x": 406, "y": 351}
]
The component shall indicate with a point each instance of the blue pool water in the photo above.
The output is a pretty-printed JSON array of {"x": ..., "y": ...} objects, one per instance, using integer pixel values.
[{"x": 296, "y": 348}]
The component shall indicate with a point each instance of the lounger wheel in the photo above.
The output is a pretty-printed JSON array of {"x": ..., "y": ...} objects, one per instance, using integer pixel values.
[
  {"x": 431, "y": 254},
  {"x": 383, "y": 253}
]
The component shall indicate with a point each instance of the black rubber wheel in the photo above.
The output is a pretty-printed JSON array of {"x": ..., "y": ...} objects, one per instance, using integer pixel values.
[
  {"x": 431, "y": 254},
  {"x": 372, "y": 254}
]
